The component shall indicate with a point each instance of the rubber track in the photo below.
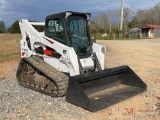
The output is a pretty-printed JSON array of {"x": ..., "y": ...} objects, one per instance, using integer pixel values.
[{"x": 60, "y": 79}]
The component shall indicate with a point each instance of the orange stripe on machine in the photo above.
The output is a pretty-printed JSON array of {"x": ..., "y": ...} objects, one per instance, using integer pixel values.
[
  {"x": 50, "y": 41},
  {"x": 48, "y": 52},
  {"x": 22, "y": 53}
]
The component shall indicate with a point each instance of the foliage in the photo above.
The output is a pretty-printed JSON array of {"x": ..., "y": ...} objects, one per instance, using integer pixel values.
[
  {"x": 149, "y": 16},
  {"x": 109, "y": 22},
  {"x": 14, "y": 28},
  {"x": 39, "y": 28},
  {"x": 93, "y": 28},
  {"x": 2, "y": 27}
]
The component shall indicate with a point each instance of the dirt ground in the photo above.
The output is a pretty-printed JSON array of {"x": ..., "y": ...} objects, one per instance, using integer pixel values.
[{"x": 143, "y": 57}]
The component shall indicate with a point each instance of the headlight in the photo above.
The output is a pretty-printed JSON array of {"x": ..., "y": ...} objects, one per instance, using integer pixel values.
[{"x": 103, "y": 49}]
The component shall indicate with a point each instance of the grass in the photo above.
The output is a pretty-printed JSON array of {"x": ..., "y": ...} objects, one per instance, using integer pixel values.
[{"x": 9, "y": 47}]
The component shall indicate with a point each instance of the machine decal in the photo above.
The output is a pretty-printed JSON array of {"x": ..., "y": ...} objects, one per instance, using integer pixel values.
[
  {"x": 48, "y": 52},
  {"x": 64, "y": 51},
  {"x": 49, "y": 40},
  {"x": 23, "y": 53}
]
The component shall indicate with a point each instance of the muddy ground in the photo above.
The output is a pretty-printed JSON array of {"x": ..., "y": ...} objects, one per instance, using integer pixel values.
[{"x": 143, "y": 56}]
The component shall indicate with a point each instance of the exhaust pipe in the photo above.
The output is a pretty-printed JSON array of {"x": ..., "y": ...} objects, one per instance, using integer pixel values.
[{"x": 98, "y": 90}]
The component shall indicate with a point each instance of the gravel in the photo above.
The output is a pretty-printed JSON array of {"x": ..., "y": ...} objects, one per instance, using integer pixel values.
[{"x": 17, "y": 102}]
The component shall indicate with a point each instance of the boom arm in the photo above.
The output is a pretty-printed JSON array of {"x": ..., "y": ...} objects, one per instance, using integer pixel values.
[{"x": 68, "y": 55}]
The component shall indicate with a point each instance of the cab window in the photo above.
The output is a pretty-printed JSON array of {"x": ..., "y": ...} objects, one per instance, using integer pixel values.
[{"x": 55, "y": 30}]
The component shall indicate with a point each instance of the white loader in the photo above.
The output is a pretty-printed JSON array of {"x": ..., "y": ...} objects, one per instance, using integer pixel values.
[{"x": 63, "y": 60}]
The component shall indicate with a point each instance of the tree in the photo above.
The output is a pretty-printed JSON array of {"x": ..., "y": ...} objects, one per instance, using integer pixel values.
[
  {"x": 116, "y": 17},
  {"x": 2, "y": 27},
  {"x": 148, "y": 16},
  {"x": 102, "y": 22},
  {"x": 110, "y": 16},
  {"x": 93, "y": 27},
  {"x": 38, "y": 28},
  {"x": 157, "y": 13},
  {"x": 14, "y": 28},
  {"x": 127, "y": 15}
]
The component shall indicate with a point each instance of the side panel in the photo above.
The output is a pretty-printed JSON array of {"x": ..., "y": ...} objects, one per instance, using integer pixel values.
[
  {"x": 73, "y": 62},
  {"x": 100, "y": 51},
  {"x": 25, "y": 51},
  {"x": 58, "y": 64},
  {"x": 68, "y": 55}
]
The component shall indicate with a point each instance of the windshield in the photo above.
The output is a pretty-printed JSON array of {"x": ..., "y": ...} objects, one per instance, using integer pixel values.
[{"x": 77, "y": 29}]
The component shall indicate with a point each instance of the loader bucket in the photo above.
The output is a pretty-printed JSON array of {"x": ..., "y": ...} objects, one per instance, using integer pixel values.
[{"x": 98, "y": 90}]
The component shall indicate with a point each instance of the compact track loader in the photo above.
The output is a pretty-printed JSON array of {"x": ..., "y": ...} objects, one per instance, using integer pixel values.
[{"x": 63, "y": 60}]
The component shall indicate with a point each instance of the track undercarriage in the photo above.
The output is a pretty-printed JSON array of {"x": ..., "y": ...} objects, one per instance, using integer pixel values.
[{"x": 37, "y": 75}]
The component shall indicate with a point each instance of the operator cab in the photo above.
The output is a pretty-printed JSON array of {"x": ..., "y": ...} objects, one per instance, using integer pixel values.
[{"x": 71, "y": 29}]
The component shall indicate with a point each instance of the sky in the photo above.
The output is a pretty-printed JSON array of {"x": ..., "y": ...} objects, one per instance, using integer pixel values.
[{"x": 11, "y": 10}]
